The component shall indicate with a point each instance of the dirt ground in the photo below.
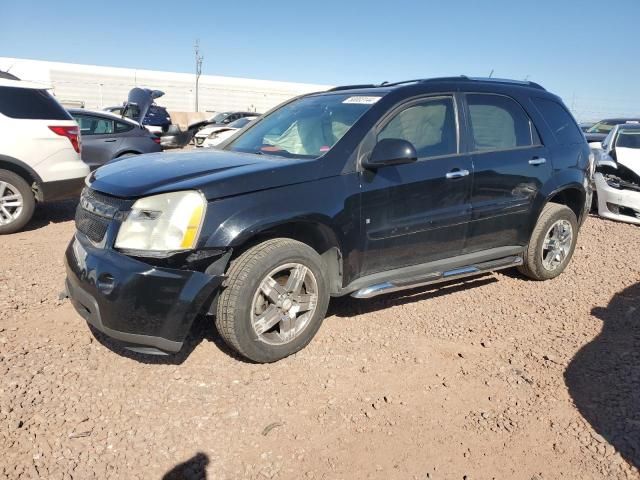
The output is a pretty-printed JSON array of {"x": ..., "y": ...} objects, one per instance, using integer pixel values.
[{"x": 495, "y": 377}]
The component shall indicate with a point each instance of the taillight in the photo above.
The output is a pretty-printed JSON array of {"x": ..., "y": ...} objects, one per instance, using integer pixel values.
[
  {"x": 72, "y": 133},
  {"x": 156, "y": 139}
]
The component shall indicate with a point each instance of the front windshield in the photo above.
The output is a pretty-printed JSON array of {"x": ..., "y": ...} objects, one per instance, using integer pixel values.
[
  {"x": 305, "y": 128},
  {"x": 601, "y": 127},
  {"x": 628, "y": 138}
]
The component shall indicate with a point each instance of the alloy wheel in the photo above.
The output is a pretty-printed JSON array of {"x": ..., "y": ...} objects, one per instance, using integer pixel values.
[
  {"x": 557, "y": 244},
  {"x": 11, "y": 203},
  {"x": 284, "y": 303}
]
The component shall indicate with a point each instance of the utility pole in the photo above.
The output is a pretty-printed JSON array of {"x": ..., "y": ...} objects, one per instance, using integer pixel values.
[{"x": 199, "y": 59}]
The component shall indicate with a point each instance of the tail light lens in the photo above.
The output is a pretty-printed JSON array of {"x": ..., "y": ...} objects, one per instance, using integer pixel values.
[
  {"x": 72, "y": 133},
  {"x": 156, "y": 139}
]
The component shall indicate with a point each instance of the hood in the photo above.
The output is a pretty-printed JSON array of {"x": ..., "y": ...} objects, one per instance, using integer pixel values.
[
  {"x": 217, "y": 173},
  {"x": 142, "y": 98},
  {"x": 629, "y": 157}
]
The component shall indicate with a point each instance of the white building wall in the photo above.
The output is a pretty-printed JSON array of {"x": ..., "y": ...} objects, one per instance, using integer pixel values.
[{"x": 99, "y": 87}]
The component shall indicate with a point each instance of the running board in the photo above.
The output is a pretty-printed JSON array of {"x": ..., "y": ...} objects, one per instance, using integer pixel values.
[{"x": 437, "y": 277}]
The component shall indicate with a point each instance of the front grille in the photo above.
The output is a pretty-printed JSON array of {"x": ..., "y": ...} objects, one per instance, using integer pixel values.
[
  {"x": 96, "y": 211},
  {"x": 92, "y": 225},
  {"x": 119, "y": 203}
]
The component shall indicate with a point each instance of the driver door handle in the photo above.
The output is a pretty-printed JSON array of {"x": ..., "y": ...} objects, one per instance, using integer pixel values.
[
  {"x": 457, "y": 173},
  {"x": 537, "y": 161}
]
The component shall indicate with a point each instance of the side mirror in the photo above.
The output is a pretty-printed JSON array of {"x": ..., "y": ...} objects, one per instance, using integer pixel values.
[{"x": 390, "y": 151}]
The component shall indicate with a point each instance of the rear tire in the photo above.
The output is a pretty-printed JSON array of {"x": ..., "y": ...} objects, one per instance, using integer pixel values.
[
  {"x": 17, "y": 202},
  {"x": 273, "y": 301},
  {"x": 552, "y": 243}
]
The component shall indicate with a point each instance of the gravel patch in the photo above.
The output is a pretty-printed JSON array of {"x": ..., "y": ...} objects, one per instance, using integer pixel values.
[{"x": 493, "y": 377}]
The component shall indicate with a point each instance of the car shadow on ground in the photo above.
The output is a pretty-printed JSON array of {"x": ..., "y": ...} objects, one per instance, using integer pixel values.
[
  {"x": 603, "y": 378},
  {"x": 54, "y": 212},
  {"x": 203, "y": 329},
  {"x": 348, "y": 306},
  {"x": 193, "y": 469}
]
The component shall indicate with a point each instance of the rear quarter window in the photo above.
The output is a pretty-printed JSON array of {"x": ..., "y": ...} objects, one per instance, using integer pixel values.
[
  {"x": 562, "y": 124},
  {"x": 122, "y": 127},
  {"x": 32, "y": 104}
]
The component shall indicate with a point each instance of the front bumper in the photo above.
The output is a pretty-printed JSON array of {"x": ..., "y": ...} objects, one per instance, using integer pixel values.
[
  {"x": 133, "y": 302},
  {"x": 617, "y": 204}
]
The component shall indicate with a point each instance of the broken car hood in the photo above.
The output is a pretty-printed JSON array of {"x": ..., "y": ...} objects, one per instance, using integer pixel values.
[
  {"x": 216, "y": 173},
  {"x": 142, "y": 98},
  {"x": 629, "y": 157}
]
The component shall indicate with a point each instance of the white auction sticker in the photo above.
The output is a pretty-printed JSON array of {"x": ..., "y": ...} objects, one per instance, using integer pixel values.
[{"x": 362, "y": 100}]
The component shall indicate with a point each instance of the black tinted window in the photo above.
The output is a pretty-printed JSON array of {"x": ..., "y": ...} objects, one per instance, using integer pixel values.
[
  {"x": 30, "y": 104},
  {"x": 430, "y": 126},
  {"x": 562, "y": 124},
  {"x": 498, "y": 122}
]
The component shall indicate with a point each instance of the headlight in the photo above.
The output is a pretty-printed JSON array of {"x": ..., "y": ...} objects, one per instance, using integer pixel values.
[{"x": 163, "y": 223}]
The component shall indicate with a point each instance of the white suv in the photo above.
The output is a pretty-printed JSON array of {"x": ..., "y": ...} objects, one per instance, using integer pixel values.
[{"x": 39, "y": 152}]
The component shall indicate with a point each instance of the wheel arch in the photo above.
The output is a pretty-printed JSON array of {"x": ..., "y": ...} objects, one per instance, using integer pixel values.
[
  {"x": 25, "y": 171},
  {"x": 127, "y": 152},
  {"x": 573, "y": 197},
  {"x": 318, "y": 235}
]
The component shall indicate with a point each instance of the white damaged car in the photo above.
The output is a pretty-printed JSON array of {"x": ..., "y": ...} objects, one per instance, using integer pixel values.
[{"x": 617, "y": 176}]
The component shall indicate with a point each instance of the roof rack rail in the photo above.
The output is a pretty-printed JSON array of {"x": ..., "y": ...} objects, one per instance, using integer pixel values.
[
  {"x": 351, "y": 87},
  {"x": 525, "y": 83}
]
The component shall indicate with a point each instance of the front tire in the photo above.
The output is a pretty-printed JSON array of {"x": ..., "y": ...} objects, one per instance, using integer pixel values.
[
  {"x": 17, "y": 202},
  {"x": 552, "y": 243},
  {"x": 273, "y": 301}
]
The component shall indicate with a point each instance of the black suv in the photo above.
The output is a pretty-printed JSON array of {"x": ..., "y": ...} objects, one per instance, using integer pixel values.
[{"x": 360, "y": 190}]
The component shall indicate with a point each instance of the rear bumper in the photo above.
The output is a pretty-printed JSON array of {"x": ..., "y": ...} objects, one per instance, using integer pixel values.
[
  {"x": 60, "y": 189},
  {"x": 617, "y": 204},
  {"x": 133, "y": 302}
]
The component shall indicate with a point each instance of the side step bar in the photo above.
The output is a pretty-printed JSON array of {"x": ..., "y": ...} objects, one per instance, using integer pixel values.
[{"x": 436, "y": 277}]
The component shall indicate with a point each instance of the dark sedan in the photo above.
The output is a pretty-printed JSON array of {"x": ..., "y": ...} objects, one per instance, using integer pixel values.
[{"x": 106, "y": 136}]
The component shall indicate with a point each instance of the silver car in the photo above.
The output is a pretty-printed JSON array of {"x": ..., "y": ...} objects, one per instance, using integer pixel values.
[{"x": 106, "y": 136}]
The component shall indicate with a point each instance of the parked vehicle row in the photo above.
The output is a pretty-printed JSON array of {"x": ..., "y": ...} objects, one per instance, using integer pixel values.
[
  {"x": 360, "y": 190},
  {"x": 215, "y": 134}
]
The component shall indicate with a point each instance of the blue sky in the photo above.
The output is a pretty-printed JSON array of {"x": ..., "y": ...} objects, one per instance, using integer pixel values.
[{"x": 583, "y": 50}]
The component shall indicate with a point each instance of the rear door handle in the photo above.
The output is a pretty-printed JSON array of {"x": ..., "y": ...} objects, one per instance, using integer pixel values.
[
  {"x": 457, "y": 174},
  {"x": 537, "y": 161},
  {"x": 113, "y": 140}
]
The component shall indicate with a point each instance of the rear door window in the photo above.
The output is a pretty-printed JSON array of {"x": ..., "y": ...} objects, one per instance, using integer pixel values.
[
  {"x": 32, "y": 104},
  {"x": 430, "y": 126},
  {"x": 498, "y": 123},
  {"x": 562, "y": 124},
  {"x": 90, "y": 125}
]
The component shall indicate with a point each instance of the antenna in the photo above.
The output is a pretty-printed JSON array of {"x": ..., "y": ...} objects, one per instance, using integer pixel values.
[
  {"x": 491, "y": 74},
  {"x": 198, "y": 59}
]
